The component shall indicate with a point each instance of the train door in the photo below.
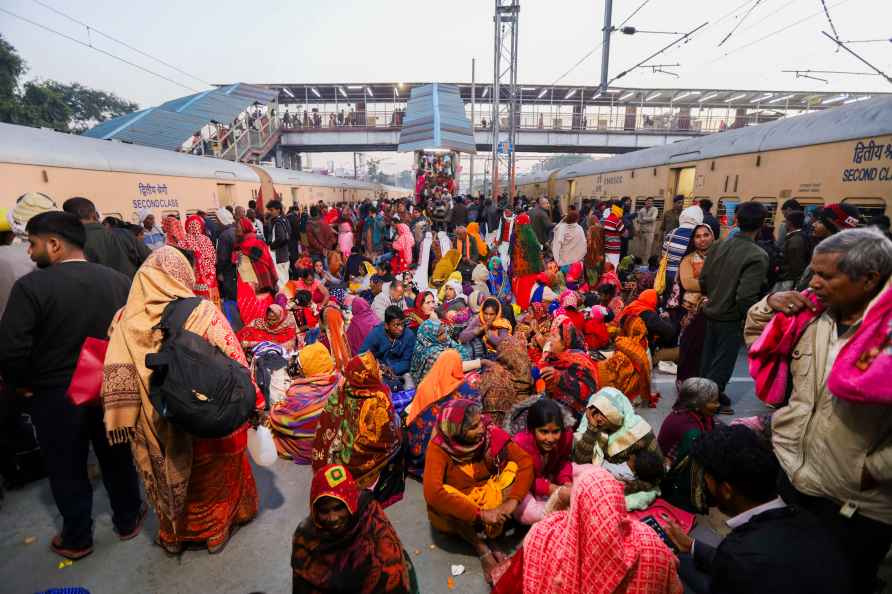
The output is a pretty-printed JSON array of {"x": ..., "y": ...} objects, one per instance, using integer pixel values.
[
  {"x": 684, "y": 181},
  {"x": 225, "y": 195},
  {"x": 571, "y": 193},
  {"x": 870, "y": 207},
  {"x": 295, "y": 198}
]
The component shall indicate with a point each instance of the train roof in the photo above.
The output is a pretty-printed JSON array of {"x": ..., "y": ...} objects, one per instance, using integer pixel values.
[
  {"x": 536, "y": 177},
  {"x": 36, "y": 146},
  {"x": 846, "y": 122},
  {"x": 302, "y": 178}
]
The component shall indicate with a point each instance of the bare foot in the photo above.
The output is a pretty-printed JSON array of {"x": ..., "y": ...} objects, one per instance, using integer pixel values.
[{"x": 489, "y": 563}]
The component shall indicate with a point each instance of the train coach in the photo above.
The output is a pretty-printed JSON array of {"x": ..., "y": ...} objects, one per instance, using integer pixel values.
[
  {"x": 123, "y": 179},
  {"x": 842, "y": 154}
]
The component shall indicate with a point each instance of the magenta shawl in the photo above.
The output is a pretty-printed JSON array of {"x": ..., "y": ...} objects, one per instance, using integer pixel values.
[{"x": 362, "y": 322}]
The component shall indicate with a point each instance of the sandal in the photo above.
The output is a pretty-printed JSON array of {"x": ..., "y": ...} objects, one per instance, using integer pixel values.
[{"x": 172, "y": 550}]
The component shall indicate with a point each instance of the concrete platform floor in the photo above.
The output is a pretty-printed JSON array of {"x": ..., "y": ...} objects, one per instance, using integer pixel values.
[{"x": 257, "y": 558}]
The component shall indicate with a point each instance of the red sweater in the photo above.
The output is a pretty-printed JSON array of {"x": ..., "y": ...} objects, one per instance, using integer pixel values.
[{"x": 555, "y": 468}]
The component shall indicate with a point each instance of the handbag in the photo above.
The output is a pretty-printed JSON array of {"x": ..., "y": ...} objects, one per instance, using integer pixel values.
[
  {"x": 660, "y": 278},
  {"x": 86, "y": 382}
]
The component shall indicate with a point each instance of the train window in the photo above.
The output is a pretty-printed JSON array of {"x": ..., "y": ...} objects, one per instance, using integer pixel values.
[
  {"x": 870, "y": 207},
  {"x": 727, "y": 208},
  {"x": 770, "y": 204},
  {"x": 660, "y": 204}
]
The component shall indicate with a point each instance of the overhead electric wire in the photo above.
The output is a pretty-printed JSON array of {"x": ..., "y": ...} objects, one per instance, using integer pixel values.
[
  {"x": 769, "y": 35},
  {"x": 91, "y": 28},
  {"x": 737, "y": 26},
  {"x": 597, "y": 47},
  {"x": 657, "y": 53},
  {"x": 101, "y": 51},
  {"x": 627, "y": 19},
  {"x": 830, "y": 20}
]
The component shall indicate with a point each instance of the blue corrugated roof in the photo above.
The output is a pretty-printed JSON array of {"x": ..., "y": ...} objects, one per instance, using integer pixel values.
[
  {"x": 435, "y": 119},
  {"x": 170, "y": 124}
]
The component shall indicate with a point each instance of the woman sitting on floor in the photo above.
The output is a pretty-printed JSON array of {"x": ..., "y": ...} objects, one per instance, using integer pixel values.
[
  {"x": 507, "y": 381},
  {"x": 293, "y": 421},
  {"x": 499, "y": 284},
  {"x": 571, "y": 377},
  {"x": 594, "y": 546},
  {"x": 430, "y": 341},
  {"x": 360, "y": 429},
  {"x": 277, "y": 326},
  {"x": 486, "y": 330},
  {"x": 611, "y": 430},
  {"x": 473, "y": 475},
  {"x": 347, "y": 543},
  {"x": 549, "y": 442},
  {"x": 454, "y": 309},
  {"x": 692, "y": 416},
  {"x": 425, "y": 304},
  {"x": 441, "y": 384}
]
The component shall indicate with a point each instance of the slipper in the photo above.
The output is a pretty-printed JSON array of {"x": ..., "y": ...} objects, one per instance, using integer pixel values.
[
  {"x": 57, "y": 547},
  {"x": 141, "y": 518}
]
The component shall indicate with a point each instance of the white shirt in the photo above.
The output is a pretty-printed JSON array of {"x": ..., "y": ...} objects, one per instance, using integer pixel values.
[{"x": 741, "y": 519}]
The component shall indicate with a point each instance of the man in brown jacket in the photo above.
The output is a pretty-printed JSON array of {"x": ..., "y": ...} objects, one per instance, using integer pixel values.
[
  {"x": 836, "y": 455},
  {"x": 320, "y": 237}
]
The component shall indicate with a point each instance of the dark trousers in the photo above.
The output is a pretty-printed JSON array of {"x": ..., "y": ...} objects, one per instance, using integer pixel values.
[
  {"x": 863, "y": 542},
  {"x": 65, "y": 432},
  {"x": 720, "y": 348}
]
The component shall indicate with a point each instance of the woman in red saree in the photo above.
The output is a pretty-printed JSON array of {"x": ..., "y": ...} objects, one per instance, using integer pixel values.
[
  {"x": 173, "y": 230},
  {"x": 255, "y": 264},
  {"x": 593, "y": 547},
  {"x": 205, "y": 259},
  {"x": 276, "y": 326},
  {"x": 201, "y": 489}
]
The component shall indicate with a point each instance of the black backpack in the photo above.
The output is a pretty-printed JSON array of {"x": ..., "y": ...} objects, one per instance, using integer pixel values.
[{"x": 193, "y": 384}]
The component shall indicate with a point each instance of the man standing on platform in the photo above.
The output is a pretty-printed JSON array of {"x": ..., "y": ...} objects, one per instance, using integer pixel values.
[
  {"x": 541, "y": 221},
  {"x": 670, "y": 217},
  {"x": 731, "y": 281},
  {"x": 647, "y": 226},
  {"x": 280, "y": 233},
  {"x": 49, "y": 315}
]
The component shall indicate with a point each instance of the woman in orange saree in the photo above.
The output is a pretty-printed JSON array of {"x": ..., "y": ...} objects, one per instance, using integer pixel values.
[{"x": 201, "y": 489}]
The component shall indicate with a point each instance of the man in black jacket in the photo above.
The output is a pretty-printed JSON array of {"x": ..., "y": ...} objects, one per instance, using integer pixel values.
[
  {"x": 50, "y": 313},
  {"x": 773, "y": 548},
  {"x": 120, "y": 251},
  {"x": 280, "y": 233},
  {"x": 796, "y": 253},
  {"x": 459, "y": 216}
]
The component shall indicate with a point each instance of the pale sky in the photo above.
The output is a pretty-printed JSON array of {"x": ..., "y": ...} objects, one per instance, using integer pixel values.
[{"x": 224, "y": 41}]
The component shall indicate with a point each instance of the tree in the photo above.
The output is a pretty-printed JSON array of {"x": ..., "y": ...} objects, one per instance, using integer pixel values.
[
  {"x": 52, "y": 104},
  {"x": 90, "y": 106},
  {"x": 11, "y": 68},
  {"x": 373, "y": 168}
]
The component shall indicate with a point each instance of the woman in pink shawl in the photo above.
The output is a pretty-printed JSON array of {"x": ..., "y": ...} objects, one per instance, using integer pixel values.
[
  {"x": 345, "y": 238},
  {"x": 402, "y": 245},
  {"x": 362, "y": 322}
]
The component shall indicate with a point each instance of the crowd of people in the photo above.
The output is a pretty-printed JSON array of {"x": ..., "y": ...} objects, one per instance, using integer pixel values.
[{"x": 496, "y": 351}]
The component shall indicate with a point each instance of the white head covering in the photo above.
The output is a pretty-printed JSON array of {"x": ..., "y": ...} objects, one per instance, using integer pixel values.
[
  {"x": 142, "y": 213},
  {"x": 459, "y": 290},
  {"x": 28, "y": 205},
  {"x": 420, "y": 279},
  {"x": 690, "y": 217},
  {"x": 225, "y": 217},
  {"x": 445, "y": 244}
]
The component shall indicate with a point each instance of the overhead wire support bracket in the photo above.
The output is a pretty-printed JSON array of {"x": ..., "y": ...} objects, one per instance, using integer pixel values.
[
  {"x": 684, "y": 37},
  {"x": 862, "y": 60}
]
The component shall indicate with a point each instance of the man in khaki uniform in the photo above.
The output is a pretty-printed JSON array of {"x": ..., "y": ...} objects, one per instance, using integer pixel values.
[{"x": 836, "y": 455}]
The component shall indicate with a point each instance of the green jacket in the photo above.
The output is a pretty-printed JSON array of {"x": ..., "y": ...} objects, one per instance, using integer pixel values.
[{"x": 732, "y": 278}]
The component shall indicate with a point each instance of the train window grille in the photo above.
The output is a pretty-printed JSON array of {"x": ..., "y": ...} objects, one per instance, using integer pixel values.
[
  {"x": 770, "y": 204},
  {"x": 661, "y": 206},
  {"x": 726, "y": 208},
  {"x": 870, "y": 208}
]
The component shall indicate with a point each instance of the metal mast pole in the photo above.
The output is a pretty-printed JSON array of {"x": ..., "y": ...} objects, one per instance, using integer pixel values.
[
  {"x": 504, "y": 74},
  {"x": 605, "y": 51},
  {"x": 473, "y": 97}
]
